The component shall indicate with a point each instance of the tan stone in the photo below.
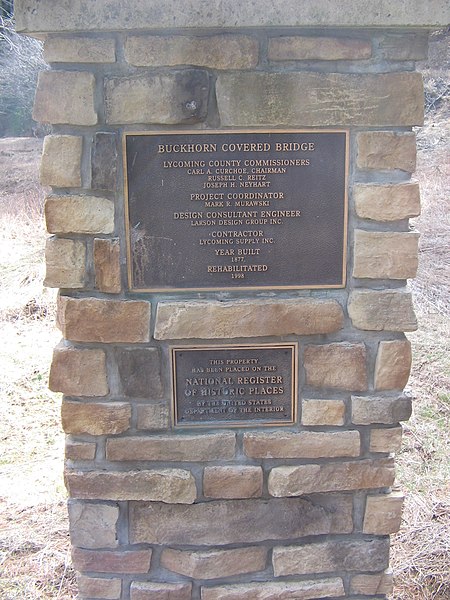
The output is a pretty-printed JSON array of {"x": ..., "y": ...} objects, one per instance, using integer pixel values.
[
  {"x": 386, "y": 150},
  {"x": 96, "y": 587},
  {"x": 93, "y": 525},
  {"x": 222, "y": 522},
  {"x": 388, "y": 202},
  {"x": 386, "y": 440},
  {"x": 65, "y": 263},
  {"x": 226, "y": 51},
  {"x": 393, "y": 365},
  {"x": 232, "y": 482},
  {"x": 342, "y": 555},
  {"x": 368, "y": 585},
  {"x": 305, "y": 444},
  {"x": 79, "y": 214},
  {"x": 331, "y": 477},
  {"x": 404, "y": 47},
  {"x": 143, "y": 590},
  {"x": 158, "y": 485},
  {"x": 114, "y": 561},
  {"x": 76, "y": 372},
  {"x": 212, "y": 446},
  {"x": 215, "y": 564},
  {"x": 301, "y": 47},
  {"x": 322, "y": 412},
  {"x": 152, "y": 416},
  {"x": 65, "y": 97},
  {"x": 107, "y": 265},
  {"x": 93, "y": 320},
  {"x": 61, "y": 161},
  {"x": 97, "y": 418},
  {"x": 286, "y": 590},
  {"x": 80, "y": 450},
  {"x": 385, "y": 255},
  {"x": 386, "y": 310},
  {"x": 374, "y": 409},
  {"x": 340, "y": 366},
  {"x": 246, "y": 318},
  {"x": 383, "y": 514},
  {"x": 81, "y": 49}
]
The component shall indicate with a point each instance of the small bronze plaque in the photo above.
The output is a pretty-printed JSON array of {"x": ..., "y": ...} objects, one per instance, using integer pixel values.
[
  {"x": 243, "y": 386},
  {"x": 226, "y": 210}
]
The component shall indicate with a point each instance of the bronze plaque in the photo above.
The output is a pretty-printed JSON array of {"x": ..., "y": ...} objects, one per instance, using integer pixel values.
[
  {"x": 243, "y": 386},
  {"x": 236, "y": 210}
]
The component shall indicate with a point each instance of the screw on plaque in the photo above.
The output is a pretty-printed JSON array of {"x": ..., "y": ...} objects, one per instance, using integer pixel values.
[{"x": 191, "y": 106}]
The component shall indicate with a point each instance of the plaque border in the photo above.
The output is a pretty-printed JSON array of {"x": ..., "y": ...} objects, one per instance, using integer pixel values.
[
  {"x": 134, "y": 290},
  {"x": 235, "y": 424}
]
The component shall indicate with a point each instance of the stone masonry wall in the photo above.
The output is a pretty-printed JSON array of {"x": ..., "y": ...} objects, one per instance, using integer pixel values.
[{"x": 223, "y": 514}]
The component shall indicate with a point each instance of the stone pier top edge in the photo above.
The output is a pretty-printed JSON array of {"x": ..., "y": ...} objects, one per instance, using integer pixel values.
[{"x": 46, "y": 16}]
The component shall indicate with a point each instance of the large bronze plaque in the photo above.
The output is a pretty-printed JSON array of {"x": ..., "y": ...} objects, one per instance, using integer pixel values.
[
  {"x": 243, "y": 386},
  {"x": 226, "y": 210}
]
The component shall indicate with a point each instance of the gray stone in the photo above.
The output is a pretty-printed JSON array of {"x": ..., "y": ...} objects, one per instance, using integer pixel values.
[
  {"x": 93, "y": 525},
  {"x": 374, "y": 409},
  {"x": 140, "y": 372},
  {"x": 385, "y": 254},
  {"x": 304, "y": 444},
  {"x": 386, "y": 310},
  {"x": 97, "y": 587},
  {"x": 65, "y": 263},
  {"x": 81, "y": 49},
  {"x": 146, "y": 590},
  {"x": 153, "y": 416},
  {"x": 389, "y": 202},
  {"x": 413, "y": 46},
  {"x": 286, "y": 590},
  {"x": 386, "y": 150},
  {"x": 104, "y": 162},
  {"x": 318, "y": 48}
]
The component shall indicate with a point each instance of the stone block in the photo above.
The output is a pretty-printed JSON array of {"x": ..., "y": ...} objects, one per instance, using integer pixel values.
[
  {"x": 386, "y": 150},
  {"x": 375, "y": 409},
  {"x": 373, "y": 584},
  {"x": 388, "y": 202},
  {"x": 215, "y": 564},
  {"x": 386, "y": 440},
  {"x": 342, "y": 555},
  {"x": 222, "y": 522},
  {"x": 413, "y": 46},
  {"x": 113, "y": 561},
  {"x": 321, "y": 99},
  {"x": 322, "y": 412},
  {"x": 162, "y": 98},
  {"x": 383, "y": 514},
  {"x": 160, "y": 485},
  {"x": 140, "y": 372},
  {"x": 65, "y": 263},
  {"x": 393, "y": 365},
  {"x": 61, "y": 161},
  {"x": 82, "y": 49},
  {"x": 340, "y": 366},
  {"x": 286, "y": 590},
  {"x": 386, "y": 310},
  {"x": 93, "y": 320},
  {"x": 385, "y": 255},
  {"x": 331, "y": 477},
  {"x": 79, "y": 450},
  {"x": 79, "y": 214},
  {"x": 305, "y": 444},
  {"x": 232, "y": 482},
  {"x": 107, "y": 265},
  {"x": 209, "y": 446},
  {"x": 302, "y": 47},
  {"x": 104, "y": 162},
  {"x": 146, "y": 590},
  {"x": 152, "y": 417},
  {"x": 66, "y": 98},
  {"x": 97, "y": 587},
  {"x": 76, "y": 372},
  {"x": 247, "y": 318},
  {"x": 225, "y": 51},
  {"x": 99, "y": 418},
  {"x": 93, "y": 525}
]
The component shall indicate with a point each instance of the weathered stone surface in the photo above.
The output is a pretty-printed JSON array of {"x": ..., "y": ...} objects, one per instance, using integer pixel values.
[
  {"x": 99, "y": 418},
  {"x": 140, "y": 372},
  {"x": 393, "y": 365},
  {"x": 79, "y": 214},
  {"x": 143, "y": 590},
  {"x": 164, "y": 98},
  {"x": 65, "y": 97},
  {"x": 385, "y": 255},
  {"x": 96, "y": 587},
  {"x": 92, "y": 320},
  {"x": 386, "y": 150},
  {"x": 239, "y": 521},
  {"x": 226, "y": 51},
  {"x": 340, "y": 366},
  {"x": 61, "y": 161},
  {"x": 245, "y": 318},
  {"x": 386, "y": 440},
  {"x": 413, "y": 46},
  {"x": 307, "y": 479},
  {"x": 374, "y": 409},
  {"x": 65, "y": 263},
  {"x": 265, "y": 99},
  {"x": 210, "y": 446},
  {"x": 302, "y": 47},
  {"x": 76, "y": 372},
  {"x": 387, "y": 310},
  {"x": 322, "y": 412},
  {"x": 373, "y": 584},
  {"x": 287, "y": 590},
  {"x": 104, "y": 162},
  {"x": 114, "y": 561},
  {"x": 232, "y": 482},
  {"x": 159, "y": 485},
  {"x": 79, "y": 50},
  {"x": 342, "y": 555},
  {"x": 215, "y": 563},
  {"x": 306, "y": 444},
  {"x": 383, "y": 514},
  {"x": 389, "y": 202},
  {"x": 107, "y": 265},
  {"x": 93, "y": 525},
  {"x": 80, "y": 450},
  {"x": 152, "y": 416}
]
